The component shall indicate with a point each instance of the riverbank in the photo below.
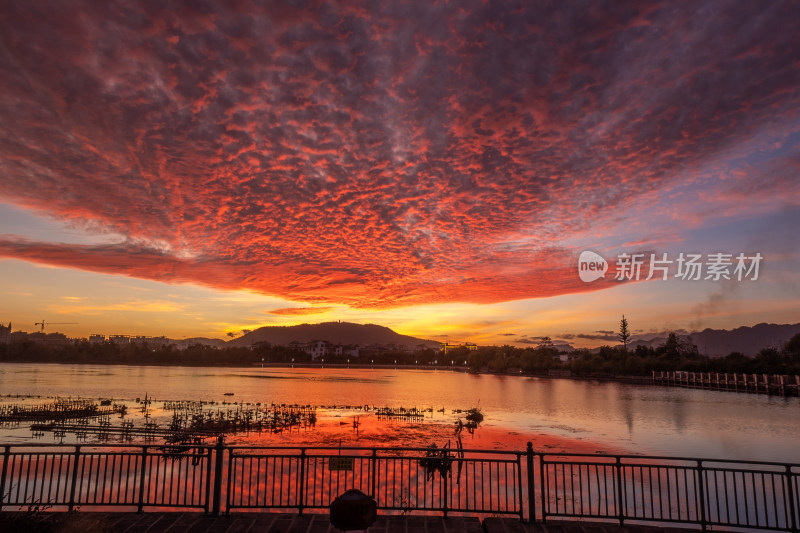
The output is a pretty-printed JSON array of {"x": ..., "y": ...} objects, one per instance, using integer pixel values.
[
  {"x": 635, "y": 380},
  {"x": 599, "y": 377},
  {"x": 342, "y": 366}
]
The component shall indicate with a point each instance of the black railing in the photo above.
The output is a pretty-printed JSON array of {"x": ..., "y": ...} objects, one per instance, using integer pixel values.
[
  {"x": 400, "y": 479},
  {"x": 528, "y": 484},
  {"x": 35, "y": 476},
  {"x": 735, "y": 494}
]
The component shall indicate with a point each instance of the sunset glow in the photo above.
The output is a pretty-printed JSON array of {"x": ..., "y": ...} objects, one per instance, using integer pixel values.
[{"x": 436, "y": 168}]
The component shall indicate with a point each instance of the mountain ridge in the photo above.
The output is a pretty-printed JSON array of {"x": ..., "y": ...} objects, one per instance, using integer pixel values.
[
  {"x": 334, "y": 332},
  {"x": 748, "y": 340}
]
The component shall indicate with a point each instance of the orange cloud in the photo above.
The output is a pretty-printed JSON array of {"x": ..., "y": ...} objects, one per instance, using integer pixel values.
[
  {"x": 380, "y": 156},
  {"x": 300, "y": 310}
]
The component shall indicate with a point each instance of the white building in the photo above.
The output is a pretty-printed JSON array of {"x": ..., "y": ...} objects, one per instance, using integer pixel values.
[{"x": 318, "y": 349}]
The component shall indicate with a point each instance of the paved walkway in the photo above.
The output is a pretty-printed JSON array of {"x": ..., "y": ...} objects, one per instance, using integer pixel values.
[{"x": 192, "y": 522}]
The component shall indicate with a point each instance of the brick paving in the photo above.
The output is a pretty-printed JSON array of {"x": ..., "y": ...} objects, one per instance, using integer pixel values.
[{"x": 193, "y": 522}]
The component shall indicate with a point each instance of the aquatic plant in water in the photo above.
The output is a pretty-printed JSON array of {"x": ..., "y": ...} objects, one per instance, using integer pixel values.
[
  {"x": 475, "y": 415},
  {"x": 436, "y": 460}
]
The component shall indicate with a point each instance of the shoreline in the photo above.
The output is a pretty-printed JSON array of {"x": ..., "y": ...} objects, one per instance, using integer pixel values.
[{"x": 635, "y": 380}]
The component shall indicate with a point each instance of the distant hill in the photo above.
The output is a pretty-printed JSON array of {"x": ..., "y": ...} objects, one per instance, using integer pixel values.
[
  {"x": 748, "y": 340},
  {"x": 335, "y": 332},
  {"x": 217, "y": 343},
  {"x": 563, "y": 346}
]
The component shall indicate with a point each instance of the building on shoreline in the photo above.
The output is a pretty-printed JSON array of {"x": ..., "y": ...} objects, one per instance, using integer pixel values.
[
  {"x": 60, "y": 339},
  {"x": 318, "y": 349},
  {"x": 49, "y": 339},
  {"x": 471, "y": 346}
]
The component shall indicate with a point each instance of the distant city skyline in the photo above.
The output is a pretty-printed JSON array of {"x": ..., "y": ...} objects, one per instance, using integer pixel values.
[
  {"x": 714, "y": 342},
  {"x": 435, "y": 168}
]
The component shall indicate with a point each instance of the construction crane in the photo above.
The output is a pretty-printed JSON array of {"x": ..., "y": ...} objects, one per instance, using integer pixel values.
[{"x": 51, "y": 323}]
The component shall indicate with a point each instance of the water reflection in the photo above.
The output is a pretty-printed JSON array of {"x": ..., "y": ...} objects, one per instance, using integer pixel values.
[
  {"x": 590, "y": 414},
  {"x": 626, "y": 406}
]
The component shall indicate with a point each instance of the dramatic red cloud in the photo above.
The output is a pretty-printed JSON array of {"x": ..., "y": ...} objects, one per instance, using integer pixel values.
[
  {"x": 300, "y": 310},
  {"x": 374, "y": 155}
]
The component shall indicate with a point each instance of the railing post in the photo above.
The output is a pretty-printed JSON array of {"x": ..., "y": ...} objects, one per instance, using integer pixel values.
[
  {"x": 74, "y": 481},
  {"x": 520, "y": 489},
  {"x": 142, "y": 472},
  {"x": 701, "y": 484},
  {"x": 301, "y": 488},
  {"x": 6, "y": 458},
  {"x": 219, "y": 448},
  {"x": 444, "y": 492},
  {"x": 531, "y": 485},
  {"x": 209, "y": 498},
  {"x": 620, "y": 503},
  {"x": 544, "y": 487},
  {"x": 790, "y": 494},
  {"x": 374, "y": 462}
]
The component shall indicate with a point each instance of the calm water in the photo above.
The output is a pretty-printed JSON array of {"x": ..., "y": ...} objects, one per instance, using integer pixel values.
[{"x": 553, "y": 413}]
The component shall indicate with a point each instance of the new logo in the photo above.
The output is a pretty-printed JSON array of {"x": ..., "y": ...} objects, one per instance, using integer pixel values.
[{"x": 591, "y": 266}]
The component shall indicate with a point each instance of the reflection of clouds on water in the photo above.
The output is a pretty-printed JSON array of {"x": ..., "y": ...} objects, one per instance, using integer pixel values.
[
  {"x": 562, "y": 428},
  {"x": 626, "y": 406},
  {"x": 258, "y": 377},
  {"x": 679, "y": 416},
  {"x": 330, "y": 379},
  {"x": 545, "y": 397},
  {"x": 348, "y": 380},
  {"x": 336, "y": 429},
  {"x": 636, "y": 419}
]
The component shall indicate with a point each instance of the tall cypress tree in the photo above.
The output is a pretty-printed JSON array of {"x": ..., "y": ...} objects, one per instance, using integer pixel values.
[{"x": 624, "y": 332}]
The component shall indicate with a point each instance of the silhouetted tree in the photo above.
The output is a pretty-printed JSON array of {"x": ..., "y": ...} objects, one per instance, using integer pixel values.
[
  {"x": 672, "y": 347},
  {"x": 624, "y": 332},
  {"x": 792, "y": 349}
]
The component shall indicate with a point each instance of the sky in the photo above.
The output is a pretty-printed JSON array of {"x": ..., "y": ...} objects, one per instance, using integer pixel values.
[{"x": 206, "y": 168}]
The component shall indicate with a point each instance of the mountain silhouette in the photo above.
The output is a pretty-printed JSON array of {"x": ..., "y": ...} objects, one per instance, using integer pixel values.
[
  {"x": 748, "y": 340},
  {"x": 334, "y": 332}
]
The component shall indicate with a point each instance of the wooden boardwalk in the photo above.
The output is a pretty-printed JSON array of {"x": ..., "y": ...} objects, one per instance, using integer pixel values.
[
  {"x": 783, "y": 385},
  {"x": 174, "y": 522}
]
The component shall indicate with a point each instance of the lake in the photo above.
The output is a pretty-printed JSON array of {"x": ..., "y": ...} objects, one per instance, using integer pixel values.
[{"x": 554, "y": 414}]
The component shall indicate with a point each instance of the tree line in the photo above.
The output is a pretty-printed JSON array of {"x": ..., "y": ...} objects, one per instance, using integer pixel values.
[
  {"x": 675, "y": 354},
  {"x": 145, "y": 354}
]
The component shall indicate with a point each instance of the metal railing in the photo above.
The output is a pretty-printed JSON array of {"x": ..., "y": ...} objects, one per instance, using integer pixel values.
[
  {"x": 706, "y": 492},
  {"x": 528, "y": 484},
  {"x": 38, "y": 476},
  {"x": 400, "y": 479}
]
